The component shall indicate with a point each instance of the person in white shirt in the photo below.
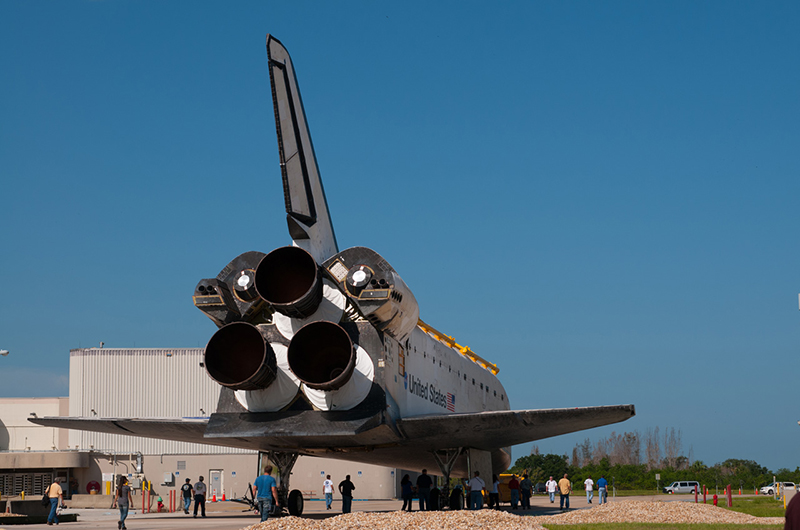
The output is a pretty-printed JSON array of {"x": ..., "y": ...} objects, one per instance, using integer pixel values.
[
  {"x": 327, "y": 489},
  {"x": 494, "y": 494},
  {"x": 551, "y": 486},
  {"x": 476, "y": 487},
  {"x": 589, "y": 483}
]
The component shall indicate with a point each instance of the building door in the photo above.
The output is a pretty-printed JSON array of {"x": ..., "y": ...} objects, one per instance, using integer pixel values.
[{"x": 215, "y": 483}]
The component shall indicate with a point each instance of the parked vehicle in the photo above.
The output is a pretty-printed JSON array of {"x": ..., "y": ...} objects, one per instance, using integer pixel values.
[
  {"x": 682, "y": 486},
  {"x": 540, "y": 488},
  {"x": 771, "y": 488}
]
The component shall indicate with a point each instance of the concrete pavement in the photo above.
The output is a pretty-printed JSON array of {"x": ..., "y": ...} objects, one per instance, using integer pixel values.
[{"x": 232, "y": 516}]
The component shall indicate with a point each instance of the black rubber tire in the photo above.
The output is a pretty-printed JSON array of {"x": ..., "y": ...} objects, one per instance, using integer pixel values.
[
  {"x": 434, "y": 500},
  {"x": 456, "y": 500},
  {"x": 295, "y": 503}
]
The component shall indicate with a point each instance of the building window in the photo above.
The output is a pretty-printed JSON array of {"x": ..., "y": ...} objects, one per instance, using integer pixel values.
[{"x": 181, "y": 465}]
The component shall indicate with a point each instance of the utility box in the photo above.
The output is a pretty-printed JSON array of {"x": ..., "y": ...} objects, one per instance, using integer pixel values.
[{"x": 169, "y": 479}]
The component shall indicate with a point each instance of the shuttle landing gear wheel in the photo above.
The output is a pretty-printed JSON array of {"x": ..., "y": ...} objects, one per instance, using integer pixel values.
[
  {"x": 295, "y": 503},
  {"x": 284, "y": 461},
  {"x": 435, "y": 503}
]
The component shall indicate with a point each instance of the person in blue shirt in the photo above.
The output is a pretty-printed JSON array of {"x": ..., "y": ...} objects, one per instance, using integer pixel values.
[
  {"x": 602, "y": 486},
  {"x": 266, "y": 492}
]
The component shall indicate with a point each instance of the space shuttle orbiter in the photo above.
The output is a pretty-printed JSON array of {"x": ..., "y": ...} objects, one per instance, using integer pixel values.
[{"x": 321, "y": 352}]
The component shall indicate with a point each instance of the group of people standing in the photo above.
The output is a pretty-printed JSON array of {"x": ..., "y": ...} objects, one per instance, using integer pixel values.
[
  {"x": 265, "y": 493},
  {"x": 521, "y": 491},
  {"x": 564, "y": 487},
  {"x": 424, "y": 484}
]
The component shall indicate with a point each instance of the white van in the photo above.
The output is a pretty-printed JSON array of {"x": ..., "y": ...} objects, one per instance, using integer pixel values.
[{"x": 683, "y": 486}]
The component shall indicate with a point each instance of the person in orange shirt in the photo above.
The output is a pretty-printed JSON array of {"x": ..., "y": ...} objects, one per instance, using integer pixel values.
[
  {"x": 55, "y": 493},
  {"x": 564, "y": 488}
]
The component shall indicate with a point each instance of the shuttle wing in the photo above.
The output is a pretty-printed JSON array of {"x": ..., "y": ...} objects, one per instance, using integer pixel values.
[
  {"x": 306, "y": 207},
  {"x": 483, "y": 430},
  {"x": 178, "y": 429},
  {"x": 489, "y": 430}
]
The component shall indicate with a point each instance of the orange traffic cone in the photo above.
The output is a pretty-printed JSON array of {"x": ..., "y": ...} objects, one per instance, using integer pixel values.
[
  {"x": 214, "y": 498},
  {"x": 223, "y": 496}
]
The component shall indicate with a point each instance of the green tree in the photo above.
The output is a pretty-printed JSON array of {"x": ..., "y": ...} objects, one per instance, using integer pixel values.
[{"x": 541, "y": 465}]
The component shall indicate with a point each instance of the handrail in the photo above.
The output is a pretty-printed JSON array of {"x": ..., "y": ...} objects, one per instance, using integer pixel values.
[{"x": 463, "y": 350}]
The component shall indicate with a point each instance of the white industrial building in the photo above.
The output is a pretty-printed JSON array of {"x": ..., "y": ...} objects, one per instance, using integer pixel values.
[{"x": 145, "y": 383}]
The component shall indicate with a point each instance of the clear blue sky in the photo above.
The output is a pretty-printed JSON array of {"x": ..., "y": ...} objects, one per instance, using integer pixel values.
[{"x": 600, "y": 197}]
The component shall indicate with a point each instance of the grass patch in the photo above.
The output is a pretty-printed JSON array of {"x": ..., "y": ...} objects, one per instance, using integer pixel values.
[
  {"x": 761, "y": 506},
  {"x": 661, "y": 526}
]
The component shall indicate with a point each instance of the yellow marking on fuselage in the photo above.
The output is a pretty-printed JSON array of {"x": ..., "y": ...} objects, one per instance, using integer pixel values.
[{"x": 463, "y": 350}]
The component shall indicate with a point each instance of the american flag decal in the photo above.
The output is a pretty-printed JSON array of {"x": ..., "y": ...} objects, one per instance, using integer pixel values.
[{"x": 451, "y": 402}]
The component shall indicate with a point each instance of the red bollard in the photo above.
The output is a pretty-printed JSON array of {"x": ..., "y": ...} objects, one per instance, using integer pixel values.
[
  {"x": 730, "y": 496},
  {"x": 695, "y": 495},
  {"x": 705, "y": 493},
  {"x": 715, "y": 499}
]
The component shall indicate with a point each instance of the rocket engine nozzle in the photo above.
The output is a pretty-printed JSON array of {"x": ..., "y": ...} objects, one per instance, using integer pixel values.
[
  {"x": 239, "y": 357},
  {"x": 288, "y": 278},
  {"x": 322, "y": 355}
]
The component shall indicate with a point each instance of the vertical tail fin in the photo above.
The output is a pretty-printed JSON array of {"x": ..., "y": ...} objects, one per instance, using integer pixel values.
[{"x": 306, "y": 207}]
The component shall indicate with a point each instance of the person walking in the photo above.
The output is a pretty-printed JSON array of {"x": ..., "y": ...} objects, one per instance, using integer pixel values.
[
  {"x": 513, "y": 488},
  {"x": 589, "y": 486},
  {"x": 187, "y": 491},
  {"x": 346, "y": 489},
  {"x": 56, "y": 496},
  {"x": 123, "y": 499},
  {"x": 424, "y": 484},
  {"x": 602, "y": 489},
  {"x": 551, "y": 487},
  {"x": 525, "y": 491},
  {"x": 494, "y": 493},
  {"x": 476, "y": 487},
  {"x": 327, "y": 489},
  {"x": 266, "y": 492},
  {"x": 565, "y": 488},
  {"x": 200, "y": 496},
  {"x": 407, "y": 492}
]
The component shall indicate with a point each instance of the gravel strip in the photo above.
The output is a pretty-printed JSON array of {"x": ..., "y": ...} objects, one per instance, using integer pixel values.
[
  {"x": 614, "y": 512},
  {"x": 460, "y": 520},
  {"x": 656, "y": 512}
]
